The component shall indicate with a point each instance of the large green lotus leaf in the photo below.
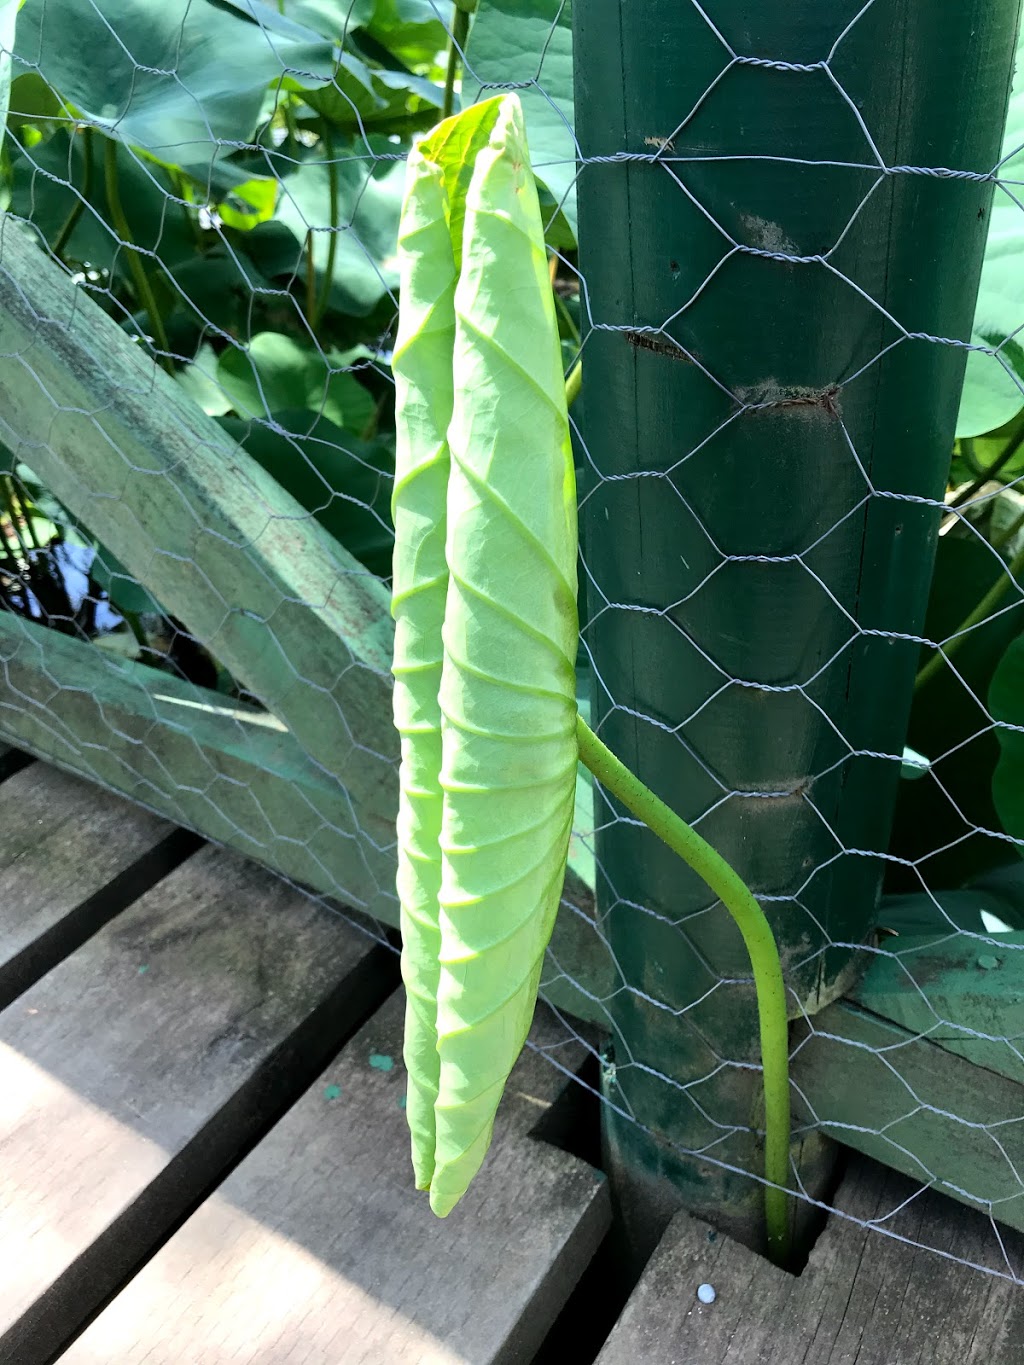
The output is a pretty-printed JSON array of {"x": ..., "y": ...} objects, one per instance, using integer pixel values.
[
  {"x": 369, "y": 203},
  {"x": 990, "y": 396},
  {"x": 424, "y": 397},
  {"x": 1006, "y": 702},
  {"x": 531, "y": 41},
  {"x": 508, "y": 704},
  {"x": 343, "y": 481},
  {"x": 275, "y": 371},
  {"x": 332, "y": 18},
  {"x": 184, "y": 79}
]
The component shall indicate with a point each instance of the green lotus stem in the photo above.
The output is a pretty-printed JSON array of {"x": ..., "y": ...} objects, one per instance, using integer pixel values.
[
  {"x": 456, "y": 44},
  {"x": 734, "y": 894},
  {"x": 143, "y": 288},
  {"x": 573, "y": 384}
]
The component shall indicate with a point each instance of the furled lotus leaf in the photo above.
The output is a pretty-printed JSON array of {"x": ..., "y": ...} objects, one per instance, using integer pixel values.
[
  {"x": 486, "y": 628},
  {"x": 440, "y": 173}
]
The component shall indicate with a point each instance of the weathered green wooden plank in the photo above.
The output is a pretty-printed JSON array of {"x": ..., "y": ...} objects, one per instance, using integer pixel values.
[
  {"x": 225, "y": 549},
  {"x": 237, "y": 776},
  {"x": 965, "y": 993},
  {"x": 218, "y": 766},
  {"x": 907, "y": 1102}
]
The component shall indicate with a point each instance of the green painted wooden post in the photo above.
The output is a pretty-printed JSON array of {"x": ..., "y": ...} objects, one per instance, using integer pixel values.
[{"x": 751, "y": 297}]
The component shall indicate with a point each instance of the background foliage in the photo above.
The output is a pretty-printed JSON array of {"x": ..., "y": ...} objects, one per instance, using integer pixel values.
[{"x": 224, "y": 178}]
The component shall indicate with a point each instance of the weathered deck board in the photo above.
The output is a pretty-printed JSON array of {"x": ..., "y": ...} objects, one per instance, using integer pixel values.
[
  {"x": 863, "y": 1297},
  {"x": 71, "y": 856},
  {"x": 317, "y": 1249},
  {"x": 137, "y": 1068}
]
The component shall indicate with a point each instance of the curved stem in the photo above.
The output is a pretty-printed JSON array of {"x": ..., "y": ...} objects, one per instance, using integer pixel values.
[
  {"x": 456, "y": 43},
  {"x": 734, "y": 894},
  {"x": 142, "y": 286}
]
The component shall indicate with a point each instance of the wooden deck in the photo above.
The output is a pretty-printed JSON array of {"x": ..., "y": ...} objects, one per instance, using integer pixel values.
[{"x": 203, "y": 1155}]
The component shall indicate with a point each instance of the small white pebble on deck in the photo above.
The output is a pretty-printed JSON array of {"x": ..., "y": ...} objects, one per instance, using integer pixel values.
[{"x": 706, "y": 1293}]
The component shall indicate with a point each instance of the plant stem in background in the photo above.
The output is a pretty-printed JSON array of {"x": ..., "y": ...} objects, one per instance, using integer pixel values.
[
  {"x": 456, "y": 46},
  {"x": 988, "y": 603},
  {"x": 310, "y": 280},
  {"x": 573, "y": 384},
  {"x": 996, "y": 467},
  {"x": 734, "y": 894},
  {"x": 332, "y": 240},
  {"x": 82, "y": 198},
  {"x": 143, "y": 287}
]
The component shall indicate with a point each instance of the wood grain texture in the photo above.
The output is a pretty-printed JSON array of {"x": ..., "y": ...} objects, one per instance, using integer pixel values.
[
  {"x": 240, "y": 778},
  {"x": 317, "y": 1249},
  {"x": 863, "y": 1297},
  {"x": 137, "y": 1068},
  {"x": 71, "y": 857}
]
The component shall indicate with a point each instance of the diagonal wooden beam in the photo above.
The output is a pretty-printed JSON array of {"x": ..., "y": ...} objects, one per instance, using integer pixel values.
[{"x": 222, "y": 546}]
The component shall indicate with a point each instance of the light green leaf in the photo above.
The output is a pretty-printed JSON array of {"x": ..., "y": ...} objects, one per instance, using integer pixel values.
[
  {"x": 531, "y": 41},
  {"x": 276, "y": 372},
  {"x": 508, "y": 751},
  {"x": 249, "y": 204},
  {"x": 508, "y": 686},
  {"x": 424, "y": 398},
  {"x": 183, "y": 79},
  {"x": 358, "y": 95},
  {"x": 990, "y": 396}
]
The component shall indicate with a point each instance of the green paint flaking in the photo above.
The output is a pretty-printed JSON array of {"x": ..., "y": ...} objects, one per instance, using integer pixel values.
[
  {"x": 380, "y": 1061},
  {"x": 331, "y": 1092}
]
